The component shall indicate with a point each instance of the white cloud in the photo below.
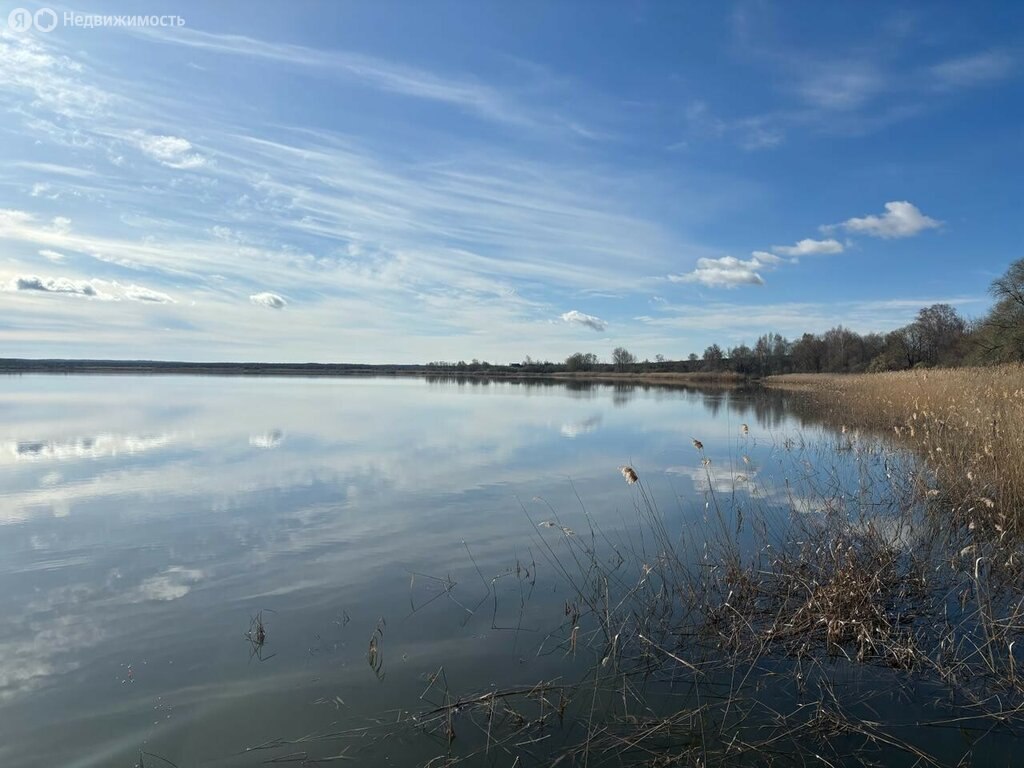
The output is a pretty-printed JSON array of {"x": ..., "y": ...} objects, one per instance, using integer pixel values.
[
  {"x": 140, "y": 293},
  {"x": 172, "y": 151},
  {"x": 766, "y": 259},
  {"x": 54, "y": 285},
  {"x": 968, "y": 71},
  {"x": 575, "y": 317},
  {"x": 42, "y": 189},
  {"x": 901, "y": 219},
  {"x": 267, "y": 299},
  {"x": 11, "y": 220},
  {"x": 53, "y": 256},
  {"x": 226, "y": 234},
  {"x": 728, "y": 271},
  {"x": 809, "y": 247},
  {"x": 91, "y": 289}
]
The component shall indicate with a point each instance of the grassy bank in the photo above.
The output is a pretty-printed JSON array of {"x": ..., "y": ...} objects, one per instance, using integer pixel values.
[{"x": 968, "y": 423}]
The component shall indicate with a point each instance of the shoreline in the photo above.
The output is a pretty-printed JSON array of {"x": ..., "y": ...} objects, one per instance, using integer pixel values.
[{"x": 14, "y": 367}]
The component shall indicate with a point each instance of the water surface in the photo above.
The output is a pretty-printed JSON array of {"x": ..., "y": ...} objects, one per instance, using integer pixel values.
[{"x": 145, "y": 521}]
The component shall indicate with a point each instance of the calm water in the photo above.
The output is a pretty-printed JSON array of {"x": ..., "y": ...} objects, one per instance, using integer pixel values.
[{"x": 145, "y": 521}]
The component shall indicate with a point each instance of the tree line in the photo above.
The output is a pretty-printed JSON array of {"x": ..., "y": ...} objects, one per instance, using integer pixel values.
[{"x": 938, "y": 336}]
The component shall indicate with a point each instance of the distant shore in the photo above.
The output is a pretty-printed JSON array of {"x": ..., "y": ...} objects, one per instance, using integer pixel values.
[{"x": 15, "y": 366}]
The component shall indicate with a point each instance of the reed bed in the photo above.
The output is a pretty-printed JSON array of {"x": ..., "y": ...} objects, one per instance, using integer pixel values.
[{"x": 968, "y": 424}]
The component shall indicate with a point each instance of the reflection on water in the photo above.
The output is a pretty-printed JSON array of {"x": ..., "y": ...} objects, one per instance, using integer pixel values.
[
  {"x": 144, "y": 523},
  {"x": 270, "y": 439},
  {"x": 83, "y": 447}
]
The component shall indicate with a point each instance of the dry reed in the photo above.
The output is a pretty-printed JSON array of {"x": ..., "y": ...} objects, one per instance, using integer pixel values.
[{"x": 967, "y": 423}]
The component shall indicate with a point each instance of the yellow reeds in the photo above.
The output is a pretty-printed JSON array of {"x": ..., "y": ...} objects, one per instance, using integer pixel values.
[{"x": 968, "y": 423}]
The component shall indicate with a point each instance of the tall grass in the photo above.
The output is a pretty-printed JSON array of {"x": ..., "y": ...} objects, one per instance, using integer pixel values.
[{"x": 967, "y": 423}]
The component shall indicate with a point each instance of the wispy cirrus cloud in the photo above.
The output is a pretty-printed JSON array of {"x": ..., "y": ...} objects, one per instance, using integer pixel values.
[
  {"x": 575, "y": 317},
  {"x": 974, "y": 69},
  {"x": 856, "y": 89},
  {"x": 53, "y": 81},
  {"x": 840, "y": 85},
  {"x": 472, "y": 96}
]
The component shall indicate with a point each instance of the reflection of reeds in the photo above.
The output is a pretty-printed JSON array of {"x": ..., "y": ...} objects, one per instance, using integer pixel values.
[
  {"x": 375, "y": 653},
  {"x": 256, "y": 636}
]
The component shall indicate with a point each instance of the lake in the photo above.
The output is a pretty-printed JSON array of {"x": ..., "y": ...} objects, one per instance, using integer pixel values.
[{"x": 241, "y": 571}]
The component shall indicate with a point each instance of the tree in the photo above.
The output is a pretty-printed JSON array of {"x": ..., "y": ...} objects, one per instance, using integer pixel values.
[
  {"x": 713, "y": 357},
  {"x": 741, "y": 359},
  {"x": 581, "y": 361},
  {"x": 763, "y": 353},
  {"x": 897, "y": 352},
  {"x": 808, "y": 354},
  {"x": 622, "y": 358},
  {"x": 939, "y": 332},
  {"x": 779, "y": 354},
  {"x": 1002, "y": 333}
]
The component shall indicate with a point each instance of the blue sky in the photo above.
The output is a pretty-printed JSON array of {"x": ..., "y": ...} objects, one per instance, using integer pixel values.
[{"x": 403, "y": 182}]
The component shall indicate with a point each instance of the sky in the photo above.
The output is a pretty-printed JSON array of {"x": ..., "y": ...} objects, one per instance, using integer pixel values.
[{"x": 405, "y": 182}]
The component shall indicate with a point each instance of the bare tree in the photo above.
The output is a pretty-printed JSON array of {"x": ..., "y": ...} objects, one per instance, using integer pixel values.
[
  {"x": 1001, "y": 336},
  {"x": 713, "y": 356},
  {"x": 622, "y": 358},
  {"x": 939, "y": 330},
  {"x": 581, "y": 361}
]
